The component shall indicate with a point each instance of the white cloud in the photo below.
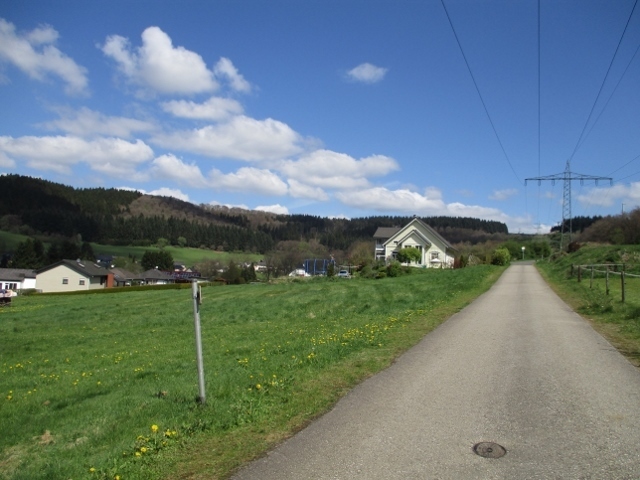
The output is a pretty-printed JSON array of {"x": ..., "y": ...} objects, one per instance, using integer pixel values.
[
  {"x": 113, "y": 156},
  {"x": 159, "y": 65},
  {"x": 170, "y": 192},
  {"x": 242, "y": 138},
  {"x": 216, "y": 109},
  {"x": 249, "y": 180},
  {"x": 301, "y": 190},
  {"x": 6, "y": 161},
  {"x": 502, "y": 195},
  {"x": 382, "y": 199},
  {"x": 609, "y": 196},
  {"x": 327, "y": 169},
  {"x": 225, "y": 69},
  {"x": 87, "y": 123},
  {"x": 171, "y": 167},
  {"x": 367, "y": 73},
  {"x": 229, "y": 205},
  {"x": 278, "y": 209},
  {"x": 35, "y": 54}
]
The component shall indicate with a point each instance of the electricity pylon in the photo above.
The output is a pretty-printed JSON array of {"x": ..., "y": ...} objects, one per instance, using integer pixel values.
[{"x": 567, "y": 177}]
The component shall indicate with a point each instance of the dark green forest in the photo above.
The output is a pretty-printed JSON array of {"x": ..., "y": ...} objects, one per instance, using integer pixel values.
[{"x": 37, "y": 207}]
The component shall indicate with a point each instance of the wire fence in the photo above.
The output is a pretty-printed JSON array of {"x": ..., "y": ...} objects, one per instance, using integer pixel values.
[{"x": 621, "y": 280}]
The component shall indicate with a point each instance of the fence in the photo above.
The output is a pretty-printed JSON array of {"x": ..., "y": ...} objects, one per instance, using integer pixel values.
[{"x": 607, "y": 272}]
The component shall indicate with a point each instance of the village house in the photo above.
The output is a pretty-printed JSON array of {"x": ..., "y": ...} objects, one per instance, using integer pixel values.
[
  {"x": 73, "y": 275},
  {"x": 436, "y": 252},
  {"x": 17, "y": 279}
]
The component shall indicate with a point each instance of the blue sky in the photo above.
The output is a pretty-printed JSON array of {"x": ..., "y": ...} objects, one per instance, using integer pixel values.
[{"x": 330, "y": 108}]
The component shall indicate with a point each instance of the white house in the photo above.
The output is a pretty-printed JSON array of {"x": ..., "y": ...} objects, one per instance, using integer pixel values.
[
  {"x": 435, "y": 250},
  {"x": 17, "y": 279},
  {"x": 73, "y": 275}
]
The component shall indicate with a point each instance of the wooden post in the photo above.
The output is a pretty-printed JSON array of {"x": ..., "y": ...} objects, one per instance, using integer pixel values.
[
  {"x": 591, "y": 280},
  {"x": 579, "y": 273},
  {"x": 622, "y": 281},
  {"x": 197, "y": 300},
  {"x": 607, "y": 281}
]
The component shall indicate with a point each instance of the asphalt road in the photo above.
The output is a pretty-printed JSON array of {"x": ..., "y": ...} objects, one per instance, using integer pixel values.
[{"x": 517, "y": 368}]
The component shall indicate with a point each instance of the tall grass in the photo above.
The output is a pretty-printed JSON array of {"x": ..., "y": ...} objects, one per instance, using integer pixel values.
[
  {"x": 104, "y": 386},
  {"x": 618, "y": 321}
]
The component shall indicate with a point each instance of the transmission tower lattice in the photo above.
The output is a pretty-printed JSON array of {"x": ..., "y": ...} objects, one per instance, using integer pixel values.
[{"x": 567, "y": 177}]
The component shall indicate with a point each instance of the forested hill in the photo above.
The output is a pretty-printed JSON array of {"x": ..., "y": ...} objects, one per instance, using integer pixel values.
[{"x": 38, "y": 207}]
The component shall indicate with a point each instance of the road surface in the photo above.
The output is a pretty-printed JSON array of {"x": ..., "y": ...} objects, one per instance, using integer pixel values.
[{"x": 517, "y": 368}]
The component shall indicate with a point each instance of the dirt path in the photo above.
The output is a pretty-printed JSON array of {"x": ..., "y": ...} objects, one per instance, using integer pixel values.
[{"x": 517, "y": 368}]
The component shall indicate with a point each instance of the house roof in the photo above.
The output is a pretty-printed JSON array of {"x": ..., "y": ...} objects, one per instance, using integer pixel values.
[
  {"x": 431, "y": 232},
  {"x": 122, "y": 275},
  {"x": 83, "y": 267},
  {"x": 154, "y": 274},
  {"x": 16, "y": 274},
  {"x": 386, "y": 232}
]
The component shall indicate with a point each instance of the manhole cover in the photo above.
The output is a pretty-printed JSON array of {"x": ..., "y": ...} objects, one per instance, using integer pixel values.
[{"x": 489, "y": 450}]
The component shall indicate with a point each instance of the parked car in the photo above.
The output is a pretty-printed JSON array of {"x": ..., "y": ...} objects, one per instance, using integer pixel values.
[{"x": 344, "y": 274}]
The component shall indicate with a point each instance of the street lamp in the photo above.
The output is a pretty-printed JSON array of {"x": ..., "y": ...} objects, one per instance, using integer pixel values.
[{"x": 522, "y": 253}]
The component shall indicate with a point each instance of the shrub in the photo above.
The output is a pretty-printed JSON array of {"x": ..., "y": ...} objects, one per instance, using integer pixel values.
[{"x": 500, "y": 256}]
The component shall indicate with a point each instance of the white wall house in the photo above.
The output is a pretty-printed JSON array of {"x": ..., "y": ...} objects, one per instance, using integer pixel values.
[
  {"x": 435, "y": 251},
  {"x": 17, "y": 279},
  {"x": 73, "y": 275}
]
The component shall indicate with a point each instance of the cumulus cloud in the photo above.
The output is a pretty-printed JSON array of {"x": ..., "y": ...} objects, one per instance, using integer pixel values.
[
  {"x": 171, "y": 167},
  {"x": 609, "y": 196},
  {"x": 229, "y": 205},
  {"x": 367, "y": 73},
  {"x": 226, "y": 70},
  {"x": 242, "y": 138},
  {"x": 170, "y": 192},
  {"x": 35, "y": 54},
  {"x": 300, "y": 190},
  {"x": 6, "y": 161},
  {"x": 112, "y": 156},
  {"x": 216, "y": 109},
  {"x": 249, "y": 180},
  {"x": 502, "y": 195},
  {"x": 88, "y": 123},
  {"x": 327, "y": 169},
  {"x": 159, "y": 65},
  {"x": 278, "y": 209}
]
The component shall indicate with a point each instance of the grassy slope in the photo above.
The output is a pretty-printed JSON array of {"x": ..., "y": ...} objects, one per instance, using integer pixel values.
[
  {"x": 618, "y": 322},
  {"x": 84, "y": 378},
  {"x": 188, "y": 256}
]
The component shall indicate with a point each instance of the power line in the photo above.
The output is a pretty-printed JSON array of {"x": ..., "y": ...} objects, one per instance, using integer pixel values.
[
  {"x": 478, "y": 90},
  {"x": 603, "y": 81}
]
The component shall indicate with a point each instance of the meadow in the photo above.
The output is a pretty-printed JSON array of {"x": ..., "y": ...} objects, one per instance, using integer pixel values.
[
  {"x": 105, "y": 386},
  {"x": 618, "y": 321}
]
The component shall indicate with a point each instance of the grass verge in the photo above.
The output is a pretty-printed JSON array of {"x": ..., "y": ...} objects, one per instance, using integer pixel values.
[
  {"x": 617, "y": 321},
  {"x": 104, "y": 386}
]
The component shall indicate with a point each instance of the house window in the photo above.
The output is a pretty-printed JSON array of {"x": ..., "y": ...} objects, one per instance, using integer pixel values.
[
  {"x": 82, "y": 281},
  {"x": 65, "y": 281},
  {"x": 435, "y": 256}
]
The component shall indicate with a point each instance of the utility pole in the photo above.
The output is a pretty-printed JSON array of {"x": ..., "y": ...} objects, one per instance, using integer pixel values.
[{"x": 567, "y": 177}]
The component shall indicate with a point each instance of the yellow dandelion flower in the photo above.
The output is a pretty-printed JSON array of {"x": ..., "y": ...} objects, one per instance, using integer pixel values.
[
  {"x": 138, "y": 454},
  {"x": 154, "y": 428},
  {"x": 143, "y": 449},
  {"x": 258, "y": 386},
  {"x": 92, "y": 470}
]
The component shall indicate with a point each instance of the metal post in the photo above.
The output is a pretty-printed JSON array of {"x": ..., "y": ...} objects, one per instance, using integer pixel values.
[
  {"x": 607, "y": 283},
  {"x": 622, "y": 280},
  {"x": 197, "y": 300}
]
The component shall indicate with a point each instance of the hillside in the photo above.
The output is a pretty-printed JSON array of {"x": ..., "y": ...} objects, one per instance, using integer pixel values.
[{"x": 122, "y": 217}]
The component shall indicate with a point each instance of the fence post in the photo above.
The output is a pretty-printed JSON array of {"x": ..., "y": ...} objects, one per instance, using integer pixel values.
[
  {"x": 622, "y": 281},
  {"x": 572, "y": 270},
  {"x": 579, "y": 273},
  {"x": 591, "y": 280},
  {"x": 197, "y": 300},
  {"x": 607, "y": 282}
]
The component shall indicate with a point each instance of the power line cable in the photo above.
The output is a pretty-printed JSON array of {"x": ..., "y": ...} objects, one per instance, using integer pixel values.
[
  {"x": 478, "y": 90},
  {"x": 604, "y": 80},
  {"x": 630, "y": 161}
]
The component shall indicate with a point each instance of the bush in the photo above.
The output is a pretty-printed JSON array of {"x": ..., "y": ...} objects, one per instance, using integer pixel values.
[{"x": 500, "y": 256}]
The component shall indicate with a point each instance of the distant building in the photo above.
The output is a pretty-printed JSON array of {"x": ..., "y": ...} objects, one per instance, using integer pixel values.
[
  {"x": 17, "y": 279},
  {"x": 73, "y": 275},
  {"x": 435, "y": 250}
]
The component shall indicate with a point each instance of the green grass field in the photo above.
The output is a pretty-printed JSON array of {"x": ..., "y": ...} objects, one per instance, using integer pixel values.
[
  {"x": 618, "y": 321},
  {"x": 105, "y": 386}
]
